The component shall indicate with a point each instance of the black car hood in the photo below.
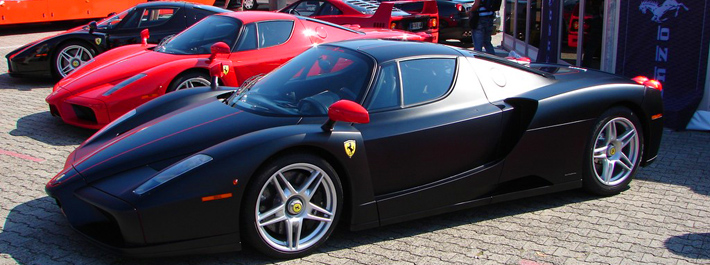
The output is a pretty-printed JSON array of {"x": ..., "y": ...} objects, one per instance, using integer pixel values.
[{"x": 175, "y": 135}]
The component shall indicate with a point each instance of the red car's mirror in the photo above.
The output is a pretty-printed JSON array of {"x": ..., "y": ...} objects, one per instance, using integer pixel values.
[
  {"x": 219, "y": 48},
  {"x": 345, "y": 111},
  {"x": 145, "y": 35}
]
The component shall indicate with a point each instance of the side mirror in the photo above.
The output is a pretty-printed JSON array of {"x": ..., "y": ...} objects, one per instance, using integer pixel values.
[
  {"x": 219, "y": 48},
  {"x": 345, "y": 111},
  {"x": 145, "y": 35},
  {"x": 92, "y": 26}
]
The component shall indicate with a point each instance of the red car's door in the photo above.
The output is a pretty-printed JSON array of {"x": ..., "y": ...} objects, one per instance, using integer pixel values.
[{"x": 265, "y": 45}]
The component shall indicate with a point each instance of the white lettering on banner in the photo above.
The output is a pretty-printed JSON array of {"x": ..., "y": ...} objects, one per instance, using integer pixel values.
[
  {"x": 549, "y": 31},
  {"x": 659, "y": 74},
  {"x": 662, "y": 35},
  {"x": 661, "y": 54}
]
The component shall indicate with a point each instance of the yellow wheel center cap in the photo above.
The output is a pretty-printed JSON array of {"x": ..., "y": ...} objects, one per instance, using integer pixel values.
[
  {"x": 612, "y": 151},
  {"x": 295, "y": 207},
  {"x": 75, "y": 63}
]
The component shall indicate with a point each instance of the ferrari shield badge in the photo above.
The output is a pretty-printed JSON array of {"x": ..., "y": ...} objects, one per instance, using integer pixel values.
[
  {"x": 350, "y": 147},
  {"x": 225, "y": 69},
  {"x": 98, "y": 41}
]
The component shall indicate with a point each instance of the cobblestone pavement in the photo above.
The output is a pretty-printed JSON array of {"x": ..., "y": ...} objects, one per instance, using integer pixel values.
[{"x": 664, "y": 218}]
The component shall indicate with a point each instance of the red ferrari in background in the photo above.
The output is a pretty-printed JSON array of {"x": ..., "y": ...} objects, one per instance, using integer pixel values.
[
  {"x": 420, "y": 16},
  {"x": 254, "y": 43}
]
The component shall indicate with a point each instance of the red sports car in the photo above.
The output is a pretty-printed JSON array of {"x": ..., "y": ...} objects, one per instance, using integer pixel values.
[
  {"x": 420, "y": 16},
  {"x": 253, "y": 43}
]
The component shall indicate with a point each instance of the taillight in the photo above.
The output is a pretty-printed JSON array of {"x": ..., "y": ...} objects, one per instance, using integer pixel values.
[
  {"x": 655, "y": 84},
  {"x": 432, "y": 23},
  {"x": 642, "y": 80},
  {"x": 393, "y": 25},
  {"x": 459, "y": 7}
]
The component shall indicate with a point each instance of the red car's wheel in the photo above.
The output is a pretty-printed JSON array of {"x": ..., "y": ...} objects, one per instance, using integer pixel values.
[{"x": 189, "y": 80}]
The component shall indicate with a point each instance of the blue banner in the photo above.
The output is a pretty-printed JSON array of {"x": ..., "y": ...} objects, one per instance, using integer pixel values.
[
  {"x": 667, "y": 40},
  {"x": 550, "y": 26}
]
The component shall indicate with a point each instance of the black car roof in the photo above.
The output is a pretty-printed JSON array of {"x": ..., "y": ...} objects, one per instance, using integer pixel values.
[
  {"x": 162, "y": 3},
  {"x": 386, "y": 50}
]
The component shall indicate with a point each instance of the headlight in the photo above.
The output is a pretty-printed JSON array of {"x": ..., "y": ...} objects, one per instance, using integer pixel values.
[
  {"x": 123, "y": 84},
  {"x": 172, "y": 172}
]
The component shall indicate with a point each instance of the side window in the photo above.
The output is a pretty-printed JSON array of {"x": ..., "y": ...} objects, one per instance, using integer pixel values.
[
  {"x": 131, "y": 20},
  {"x": 273, "y": 33},
  {"x": 329, "y": 10},
  {"x": 386, "y": 92},
  {"x": 426, "y": 79},
  {"x": 306, "y": 8},
  {"x": 155, "y": 16},
  {"x": 247, "y": 41}
]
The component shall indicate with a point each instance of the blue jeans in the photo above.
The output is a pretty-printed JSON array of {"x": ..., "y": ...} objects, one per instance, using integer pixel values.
[{"x": 482, "y": 34}]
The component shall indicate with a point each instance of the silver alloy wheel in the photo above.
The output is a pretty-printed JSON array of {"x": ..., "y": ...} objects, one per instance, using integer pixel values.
[
  {"x": 248, "y": 4},
  {"x": 296, "y": 207},
  {"x": 616, "y": 151},
  {"x": 71, "y": 57},
  {"x": 193, "y": 82}
]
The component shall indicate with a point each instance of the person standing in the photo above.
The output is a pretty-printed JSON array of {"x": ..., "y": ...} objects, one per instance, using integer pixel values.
[{"x": 481, "y": 16}]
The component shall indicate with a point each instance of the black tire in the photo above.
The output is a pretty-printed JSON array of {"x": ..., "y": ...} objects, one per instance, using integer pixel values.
[
  {"x": 87, "y": 55},
  {"x": 192, "y": 75},
  {"x": 278, "y": 212},
  {"x": 617, "y": 157}
]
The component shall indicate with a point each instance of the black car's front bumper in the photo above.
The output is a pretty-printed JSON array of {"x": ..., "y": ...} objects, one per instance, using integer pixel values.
[
  {"x": 29, "y": 61},
  {"x": 117, "y": 226}
]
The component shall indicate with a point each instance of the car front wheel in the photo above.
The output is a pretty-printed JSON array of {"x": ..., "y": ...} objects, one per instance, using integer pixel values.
[
  {"x": 292, "y": 206},
  {"x": 70, "y": 56},
  {"x": 614, "y": 152},
  {"x": 189, "y": 80}
]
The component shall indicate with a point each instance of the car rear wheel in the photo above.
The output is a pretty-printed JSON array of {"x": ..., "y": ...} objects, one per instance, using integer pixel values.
[
  {"x": 614, "y": 152},
  {"x": 189, "y": 80},
  {"x": 250, "y": 4},
  {"x": 70, "y": 56},
  {"x": 292, "y": 206}
]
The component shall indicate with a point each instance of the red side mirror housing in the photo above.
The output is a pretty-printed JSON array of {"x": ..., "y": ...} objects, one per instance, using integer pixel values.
[
  {"x": 145, "y": 35},
  {"x": 220, "y": 68},
  {"x": 345, "y": 111},
  {"x": 219, "y": 48}
]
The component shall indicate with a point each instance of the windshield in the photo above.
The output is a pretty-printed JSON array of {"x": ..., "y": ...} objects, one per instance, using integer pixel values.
[
  {"x": 308, "y": 84},
  {"x": 112, "y": 20},
  {"x": 199, "y": 38}
]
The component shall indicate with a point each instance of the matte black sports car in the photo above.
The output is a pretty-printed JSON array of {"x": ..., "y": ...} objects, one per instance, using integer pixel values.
[
  {"x": 372, "y": 132},
  {"x": 60, "y": 54}
]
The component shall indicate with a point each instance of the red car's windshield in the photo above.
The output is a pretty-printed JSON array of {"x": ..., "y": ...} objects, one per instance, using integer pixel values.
[
  {"x": 199, "y": 38},
  {"x": 309, "y": 83}
]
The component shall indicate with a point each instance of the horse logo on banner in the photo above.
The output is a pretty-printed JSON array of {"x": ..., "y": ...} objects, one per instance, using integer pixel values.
[{"x": 659, "y": 11}]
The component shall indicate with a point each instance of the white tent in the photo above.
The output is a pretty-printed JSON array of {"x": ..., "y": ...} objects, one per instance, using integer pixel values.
[{"x": 701, "y": 119}]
